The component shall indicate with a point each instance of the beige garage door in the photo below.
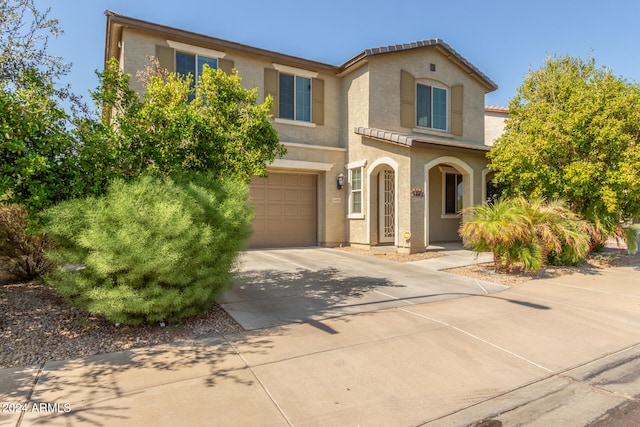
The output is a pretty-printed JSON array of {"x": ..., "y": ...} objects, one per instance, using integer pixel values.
[{"x": 285, "y": 206}]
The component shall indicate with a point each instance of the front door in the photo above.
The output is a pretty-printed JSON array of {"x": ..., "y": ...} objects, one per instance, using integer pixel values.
[{"x": 387, "y": 212}]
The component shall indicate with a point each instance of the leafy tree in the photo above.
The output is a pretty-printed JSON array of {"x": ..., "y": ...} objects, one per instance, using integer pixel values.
[
  {"x": 215, "y": 125},
  {"x": 573, "y": 133},
  {"x": 36, "y": 148},
  {"x": 24, "y": 40},
  {"x": 150, "y": 249}
]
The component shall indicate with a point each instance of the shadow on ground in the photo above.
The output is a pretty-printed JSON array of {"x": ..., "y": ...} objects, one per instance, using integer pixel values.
[{"x": 102, "y": 390}]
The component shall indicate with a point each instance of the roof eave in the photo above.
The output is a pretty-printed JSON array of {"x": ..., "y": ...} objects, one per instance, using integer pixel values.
[{"x": 115, "y": 19}]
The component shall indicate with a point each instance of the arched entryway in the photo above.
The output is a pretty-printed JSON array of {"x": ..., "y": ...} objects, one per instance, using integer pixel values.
[
  {"x": 489, "y": 188},
  {"x": 382, "y": 221},
  {"x": 449, "y": 184}
]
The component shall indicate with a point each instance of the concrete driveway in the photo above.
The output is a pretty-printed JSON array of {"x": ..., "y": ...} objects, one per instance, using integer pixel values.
[
  {"x": 280, "y": 286},
  {"x": 562, "y": 351}
]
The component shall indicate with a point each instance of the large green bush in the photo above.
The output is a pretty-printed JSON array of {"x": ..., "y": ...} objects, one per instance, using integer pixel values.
[{"x": 151, "y": 249}]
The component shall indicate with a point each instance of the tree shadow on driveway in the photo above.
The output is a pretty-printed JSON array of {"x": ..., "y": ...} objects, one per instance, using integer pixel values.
[{"x": 266, "y": 298}]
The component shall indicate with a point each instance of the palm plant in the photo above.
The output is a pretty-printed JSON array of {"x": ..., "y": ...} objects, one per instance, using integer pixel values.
[
  {"x": 501, "y": 227},
  {"x": 528, "y": 232},
  {"x": 562, "y": 234}
]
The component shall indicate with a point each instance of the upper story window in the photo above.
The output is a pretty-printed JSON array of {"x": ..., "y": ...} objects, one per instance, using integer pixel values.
[
  {"x": 192, "y": 63},
  {"x": 295, "y": 97},
  {"x": 186, "y": 59},
  {"x": 298, "y": 95},
  {"x": 431, "y": 107}
]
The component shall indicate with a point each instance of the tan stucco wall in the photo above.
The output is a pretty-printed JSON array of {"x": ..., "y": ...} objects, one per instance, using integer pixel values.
[
  {"x": 384, "y": 79},
  {"x": 379, "y": 155},
  {"x": 138, "y": 45},
  {"x": 355, "y": 102},
  {"x": 493, "y": 125},
  {"x": 381, "y": 76}
]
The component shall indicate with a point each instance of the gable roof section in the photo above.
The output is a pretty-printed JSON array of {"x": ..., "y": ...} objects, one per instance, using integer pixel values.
[
  {"x": 116, "y": 21},
  {"x": 438, "y": 44}
]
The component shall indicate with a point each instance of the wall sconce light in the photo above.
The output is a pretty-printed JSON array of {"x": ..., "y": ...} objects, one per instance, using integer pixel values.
[{"x": 340, "y": 182}]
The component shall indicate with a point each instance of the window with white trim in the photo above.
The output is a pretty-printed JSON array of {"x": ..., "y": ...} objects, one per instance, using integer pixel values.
[
  {"x": 453, "y": 186},
  {"x": 431, "y": 107},
  {"x": 192, "y": 63},
  {"x": 355, "y": 190},
  {"x": 295, "y": 97}
]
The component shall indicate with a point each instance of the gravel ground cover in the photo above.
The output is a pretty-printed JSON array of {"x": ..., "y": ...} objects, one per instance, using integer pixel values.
[
  {"x": 37, "y": 326},
  {"x": 609, "y": 258}
]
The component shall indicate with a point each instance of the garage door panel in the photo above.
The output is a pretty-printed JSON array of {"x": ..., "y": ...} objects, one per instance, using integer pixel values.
[
  {"x": 293, "y": 195},
  {"x": 273, "y": 211},
  {"x": 274, "y": 195},
  {"x": 308, "y": 197},
  {"x": 291, "y": 211},
  {"x": 287, "y": 216},
  {"x": 307, "y": 211},
  {"x": 291, "y": 180},
  {"x": 307, "y": 181}
]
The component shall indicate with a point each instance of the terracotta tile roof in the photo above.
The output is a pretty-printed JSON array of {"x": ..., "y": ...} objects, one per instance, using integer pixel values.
[
  {"x": 437, "y": 43},
  {"x": 116, "y": 20},
  {"x": 415, "y": 141},
  {"x": 496, "y": 109}
]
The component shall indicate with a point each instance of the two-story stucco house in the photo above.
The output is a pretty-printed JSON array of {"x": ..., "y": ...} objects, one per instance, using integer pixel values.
[{"x": 385, "y": 149}]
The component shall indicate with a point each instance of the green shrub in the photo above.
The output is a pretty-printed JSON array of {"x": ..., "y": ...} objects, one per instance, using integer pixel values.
[
  {"x": 23, "y": 249},
  {"x": 149, "y": 250},
  {"x": 529, "y": 232}
]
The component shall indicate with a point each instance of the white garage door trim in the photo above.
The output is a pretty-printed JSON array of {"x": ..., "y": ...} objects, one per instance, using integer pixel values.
[{"x": 301, "y": 165}]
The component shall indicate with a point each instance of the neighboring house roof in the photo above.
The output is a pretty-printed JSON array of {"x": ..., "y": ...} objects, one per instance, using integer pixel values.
[
  {"x": 115, "y": 23},
  {"x": 415, "y": 141},
  {"x": 496, "y": 109}
]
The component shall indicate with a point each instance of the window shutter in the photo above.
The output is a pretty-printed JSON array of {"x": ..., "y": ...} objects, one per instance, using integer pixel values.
[
  {"x": 166, "y": 58},
  {"x": 457, "y": 100},
  {"x": 271, "y": 88},
  {"x": 225, "y": 65},
  {"x": 407, "y": 100},
  {"x": 317, "y": 107}
]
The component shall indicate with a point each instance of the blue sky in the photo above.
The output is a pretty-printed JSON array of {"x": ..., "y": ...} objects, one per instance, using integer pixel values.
[{"x": 503, "y": 38}]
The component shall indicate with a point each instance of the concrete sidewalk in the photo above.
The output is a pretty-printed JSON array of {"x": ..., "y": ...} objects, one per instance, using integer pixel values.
[{"x": 547, "y": 352}]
